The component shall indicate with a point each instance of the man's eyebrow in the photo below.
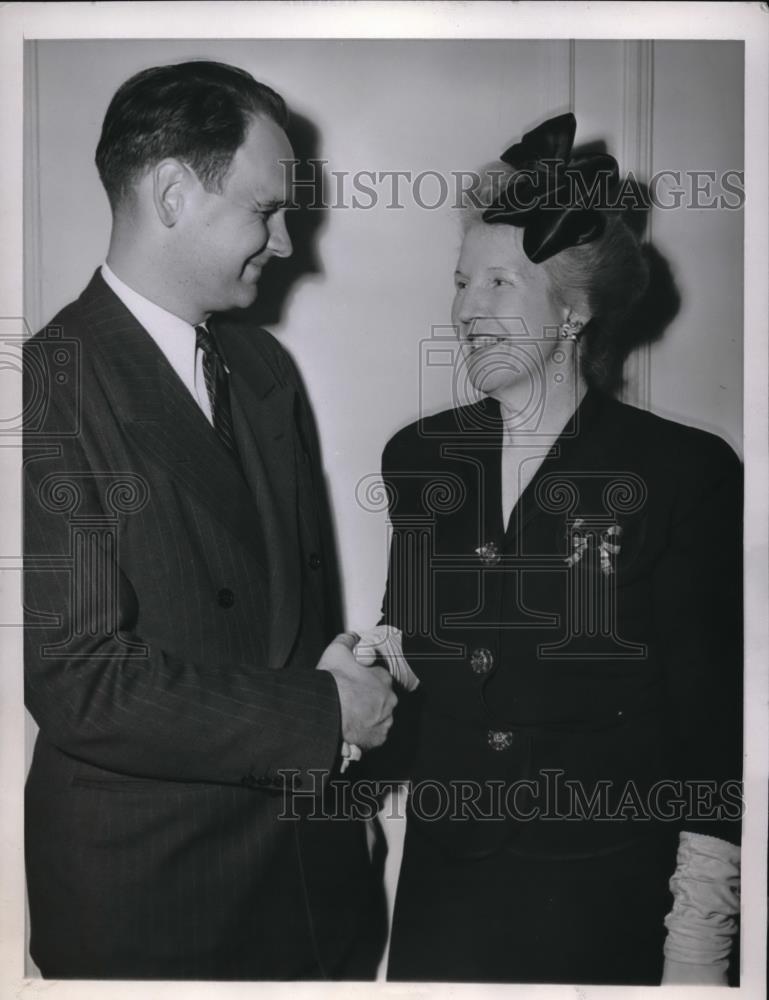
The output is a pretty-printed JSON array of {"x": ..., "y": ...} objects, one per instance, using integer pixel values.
[{"x": 272, "y": 203}]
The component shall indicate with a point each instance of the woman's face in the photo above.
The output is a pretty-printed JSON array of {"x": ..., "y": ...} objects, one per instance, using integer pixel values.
[{"x": 506, "y": 315}]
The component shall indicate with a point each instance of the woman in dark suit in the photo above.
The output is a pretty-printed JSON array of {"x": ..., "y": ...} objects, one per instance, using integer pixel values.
[{"x": 565, "y": 573}]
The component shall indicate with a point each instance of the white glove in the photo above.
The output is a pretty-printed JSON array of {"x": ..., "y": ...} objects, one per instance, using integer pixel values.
[
  {"x": 387, "y": 642},
  {"x": 706, "y": 906}
]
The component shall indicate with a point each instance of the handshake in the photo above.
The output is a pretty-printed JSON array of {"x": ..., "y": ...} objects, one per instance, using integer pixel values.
[{"x": 364, "y": 668}]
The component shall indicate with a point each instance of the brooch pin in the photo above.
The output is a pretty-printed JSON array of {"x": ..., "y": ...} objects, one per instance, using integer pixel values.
[
  {"x": 608, "y": 547},
  {"x": 489, "y": 554}
]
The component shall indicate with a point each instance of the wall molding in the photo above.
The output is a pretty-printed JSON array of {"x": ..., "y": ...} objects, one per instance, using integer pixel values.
[
  {"x": 559, "y": 68},
  {"x": 31, "y": 222},
  {"x": 637, "y": 156}
]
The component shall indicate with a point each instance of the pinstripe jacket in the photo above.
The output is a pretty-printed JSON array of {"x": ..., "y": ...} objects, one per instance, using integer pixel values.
[{"x": 176, "y": 606}]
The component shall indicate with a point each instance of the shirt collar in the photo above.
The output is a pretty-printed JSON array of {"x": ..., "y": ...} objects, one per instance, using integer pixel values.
[{"x": 173, "y": 335}]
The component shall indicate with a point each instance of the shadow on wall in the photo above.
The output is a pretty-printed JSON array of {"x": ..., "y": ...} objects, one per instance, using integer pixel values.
[
  {"x": 283, "y": 277},
  {"x": 660, "y": 303},
  {"x": 655, "y": 311},
  {"x": 652, "y": 314}
]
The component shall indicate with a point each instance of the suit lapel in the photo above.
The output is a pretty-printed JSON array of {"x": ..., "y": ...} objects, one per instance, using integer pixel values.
[
  {"x": 160, "y": 416},
  {"x": 263, "y": 421}
]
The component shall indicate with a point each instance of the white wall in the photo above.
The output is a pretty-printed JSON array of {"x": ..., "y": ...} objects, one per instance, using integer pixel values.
[
  {"x": 696, "y": 371},
  {"x": 356, "y": 327}
]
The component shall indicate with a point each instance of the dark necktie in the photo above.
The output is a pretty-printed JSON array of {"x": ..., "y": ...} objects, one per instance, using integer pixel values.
[{"x": 217, "y": 386}]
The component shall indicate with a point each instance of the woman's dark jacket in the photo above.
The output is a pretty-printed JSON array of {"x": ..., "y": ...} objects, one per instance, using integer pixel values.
[{"x": 580, "y": 669}]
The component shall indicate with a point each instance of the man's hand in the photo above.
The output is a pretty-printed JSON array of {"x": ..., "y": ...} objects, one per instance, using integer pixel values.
[{"x": 366, "y": 694}]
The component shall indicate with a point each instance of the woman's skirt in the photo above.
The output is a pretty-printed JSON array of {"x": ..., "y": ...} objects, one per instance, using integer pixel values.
[{"x": 523, "y": 918}]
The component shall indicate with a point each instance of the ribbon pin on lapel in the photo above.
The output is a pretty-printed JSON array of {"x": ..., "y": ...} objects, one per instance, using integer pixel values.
[{"x": 608, "y": 547}]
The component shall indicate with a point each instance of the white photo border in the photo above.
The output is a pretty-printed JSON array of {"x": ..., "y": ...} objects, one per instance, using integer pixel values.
[{"x": 746, "y": 21}]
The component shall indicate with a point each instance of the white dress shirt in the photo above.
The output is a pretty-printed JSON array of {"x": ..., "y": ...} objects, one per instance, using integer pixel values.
[{"x": 174, "y": 336}]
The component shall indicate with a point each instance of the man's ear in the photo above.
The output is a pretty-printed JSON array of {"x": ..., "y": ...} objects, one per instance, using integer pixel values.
[{"x": 168, "y": 184}]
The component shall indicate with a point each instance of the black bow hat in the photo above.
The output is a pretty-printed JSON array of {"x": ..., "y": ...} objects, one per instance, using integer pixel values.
[{"x": 551, "y": 194}]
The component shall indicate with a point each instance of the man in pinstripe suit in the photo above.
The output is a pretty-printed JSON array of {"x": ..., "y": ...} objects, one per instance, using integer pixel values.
[{"x": 179, "y": 580}]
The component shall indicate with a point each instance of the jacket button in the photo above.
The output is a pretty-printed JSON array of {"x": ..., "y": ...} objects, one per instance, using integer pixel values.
[
  {"x": 315, "y": 561},
  {"x": 225, "y": 598},
  {"x": 481, "y": 661},
  {"x": 499, "y": 740},
  {"x": 489, "y": 554}
]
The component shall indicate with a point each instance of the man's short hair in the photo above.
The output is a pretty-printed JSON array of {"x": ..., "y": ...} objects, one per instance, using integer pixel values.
[{"x": 198, "y": 112}]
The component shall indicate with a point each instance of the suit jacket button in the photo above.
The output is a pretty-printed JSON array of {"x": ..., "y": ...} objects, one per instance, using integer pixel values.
[
  {"x": 481, "y": 661},
  {"x": 315, "y": 561},
  {"x": 225, "y": 598}
]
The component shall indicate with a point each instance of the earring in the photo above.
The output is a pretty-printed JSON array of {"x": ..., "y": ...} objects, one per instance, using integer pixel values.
[{"x": 571, "y": 329}]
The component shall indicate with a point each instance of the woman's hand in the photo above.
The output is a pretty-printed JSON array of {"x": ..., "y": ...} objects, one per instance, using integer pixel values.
[{"x": 385, "y": 642}]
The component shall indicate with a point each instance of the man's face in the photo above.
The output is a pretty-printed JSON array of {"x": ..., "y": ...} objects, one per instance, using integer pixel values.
[{"x": 229, "y": 236}]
